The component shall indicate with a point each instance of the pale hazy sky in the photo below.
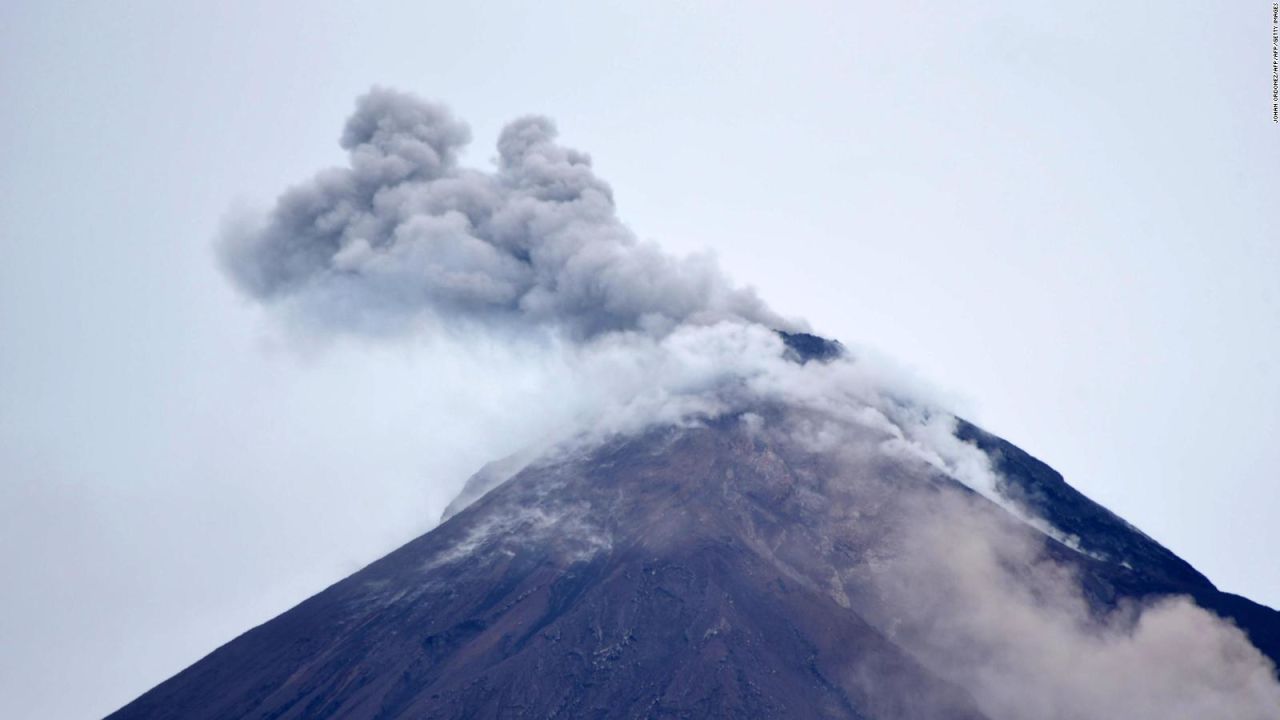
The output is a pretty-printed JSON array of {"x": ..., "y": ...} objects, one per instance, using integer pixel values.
[{"x": 1063, "y": 215}]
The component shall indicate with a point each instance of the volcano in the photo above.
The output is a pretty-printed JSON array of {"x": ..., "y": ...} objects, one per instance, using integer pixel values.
[{"x": 730, "y": 566}]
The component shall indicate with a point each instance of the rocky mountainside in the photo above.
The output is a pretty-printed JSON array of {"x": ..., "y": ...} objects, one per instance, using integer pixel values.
[
  {"x": 750, "y": 524},
  {"x": 728, "y": 568}
]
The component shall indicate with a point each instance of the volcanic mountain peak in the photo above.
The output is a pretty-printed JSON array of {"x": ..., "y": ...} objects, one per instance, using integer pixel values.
[
  {"x": 805, "y": 347},
  {"x": 731, "y": 567},
  {"x": 745, "y": 522}
]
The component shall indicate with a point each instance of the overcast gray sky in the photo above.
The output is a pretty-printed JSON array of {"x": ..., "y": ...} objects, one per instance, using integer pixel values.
[{"x": 1062, "y": 215}]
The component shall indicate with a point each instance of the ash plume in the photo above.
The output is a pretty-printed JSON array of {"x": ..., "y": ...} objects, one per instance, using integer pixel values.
[
  {"x": 404, "y": 237},
  {"x": 403, "y": 233}
]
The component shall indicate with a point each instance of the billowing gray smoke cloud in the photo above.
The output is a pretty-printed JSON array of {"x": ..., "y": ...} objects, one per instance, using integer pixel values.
[{"x": 404, "y": 232}]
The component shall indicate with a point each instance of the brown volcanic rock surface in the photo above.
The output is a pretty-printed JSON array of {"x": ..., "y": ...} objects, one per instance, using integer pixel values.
[
  {"x": 640, "y": 581},
  {"x": 685, "y": 573}
]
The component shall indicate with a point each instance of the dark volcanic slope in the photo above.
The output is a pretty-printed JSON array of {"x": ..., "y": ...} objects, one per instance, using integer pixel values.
[
  {"x": 682, "y": 574},
  {"x": 638, "y": 582},
  {"x": 1155, "y": 570}
]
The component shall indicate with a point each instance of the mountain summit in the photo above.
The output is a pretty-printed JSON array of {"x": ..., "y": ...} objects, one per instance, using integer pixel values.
[
  {"x": 744, "y": 520},
  {"x": 760, "y": 563}
]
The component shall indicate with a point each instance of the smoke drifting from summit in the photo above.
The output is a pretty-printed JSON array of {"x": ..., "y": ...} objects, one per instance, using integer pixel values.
[
  {"x": 404, "y": 237},
  {"x": 404, "y": 234}
]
